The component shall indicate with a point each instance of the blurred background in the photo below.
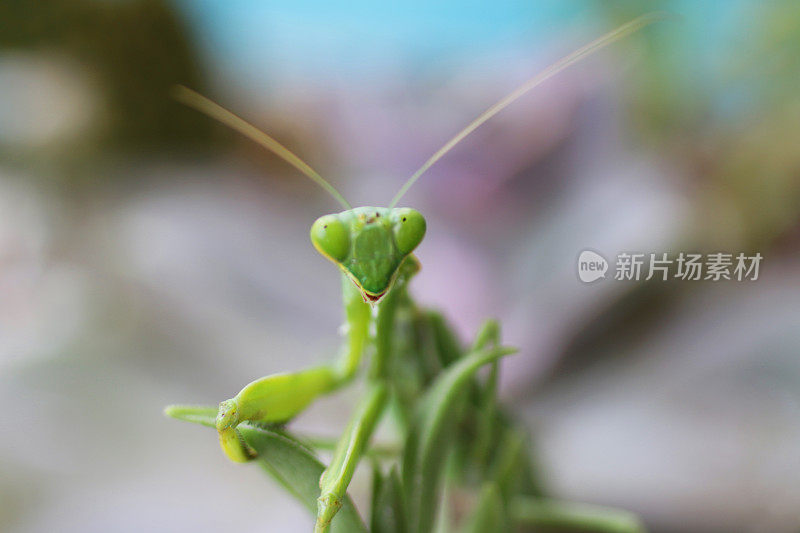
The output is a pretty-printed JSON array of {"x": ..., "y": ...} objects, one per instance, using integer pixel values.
[{"x": 149, "y": 256}]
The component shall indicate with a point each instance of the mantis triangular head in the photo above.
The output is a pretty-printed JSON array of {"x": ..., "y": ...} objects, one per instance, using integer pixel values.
[{"x": 369, "y": 244}]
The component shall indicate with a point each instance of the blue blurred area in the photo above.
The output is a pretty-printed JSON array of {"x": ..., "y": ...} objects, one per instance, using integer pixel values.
[
  {"x": 268, "y": 39},
  {"x": 261, "y": 45},
  {"x": 314, "y": 40}
]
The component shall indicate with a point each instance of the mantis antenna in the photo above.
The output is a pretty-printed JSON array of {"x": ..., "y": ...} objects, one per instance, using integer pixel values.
[
  {"x": 615, "y": 35},
  {"x": 217, "y": 112}
]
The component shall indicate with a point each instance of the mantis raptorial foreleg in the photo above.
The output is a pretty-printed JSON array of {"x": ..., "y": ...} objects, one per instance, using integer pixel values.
[
  {"x": 280, "y": 397},
  {"x": 336, "y": 478}
]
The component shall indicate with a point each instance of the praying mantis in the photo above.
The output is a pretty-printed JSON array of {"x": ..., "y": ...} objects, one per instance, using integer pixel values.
[{"x": 418, "y": 371}]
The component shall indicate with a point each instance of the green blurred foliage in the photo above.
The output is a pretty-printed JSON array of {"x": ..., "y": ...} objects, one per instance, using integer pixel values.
[
  {"x": 134, "y": 50},
  {"x": 729, "y": 124}
]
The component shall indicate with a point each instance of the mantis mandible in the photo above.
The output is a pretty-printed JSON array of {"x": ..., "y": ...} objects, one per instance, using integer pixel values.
[{"x": 373, "y": 248}]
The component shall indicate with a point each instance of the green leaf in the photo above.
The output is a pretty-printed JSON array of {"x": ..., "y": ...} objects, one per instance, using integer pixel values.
[
  {"x": 430, "y": 438},
  {"x": 388, "y": 514},
  {"x": 447, "y": 346},
  {"x": 294, "y": 465},
  {"x": 509, "y": 462},
  {"x": 489, "y": 515},
  {"x": 542, "y": 513}
]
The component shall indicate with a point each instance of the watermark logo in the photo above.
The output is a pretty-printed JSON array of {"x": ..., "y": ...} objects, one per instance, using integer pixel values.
[
  {"x": 635, "y": 266},
  {"x": 591, "y": 266}
]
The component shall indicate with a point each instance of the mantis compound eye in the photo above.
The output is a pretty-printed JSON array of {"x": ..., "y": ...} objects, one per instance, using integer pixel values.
[
  {"x": 331, "y": 237},
  {"x": 409, "y": 229}
]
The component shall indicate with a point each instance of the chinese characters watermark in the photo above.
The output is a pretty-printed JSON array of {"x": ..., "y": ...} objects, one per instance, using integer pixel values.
[{"x": 633, "y": 266}]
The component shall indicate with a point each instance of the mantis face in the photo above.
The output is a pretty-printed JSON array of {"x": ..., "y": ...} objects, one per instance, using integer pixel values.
[{"x": 369, "y": 244}]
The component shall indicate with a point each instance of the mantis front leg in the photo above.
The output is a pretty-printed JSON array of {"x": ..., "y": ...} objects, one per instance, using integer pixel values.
[
  {"x": 280, "y": 397},
  {"x": 336, "y": 478}
]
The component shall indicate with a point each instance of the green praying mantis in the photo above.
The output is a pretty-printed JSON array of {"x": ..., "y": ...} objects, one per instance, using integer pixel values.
[{"x": 418, "y": 371}]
